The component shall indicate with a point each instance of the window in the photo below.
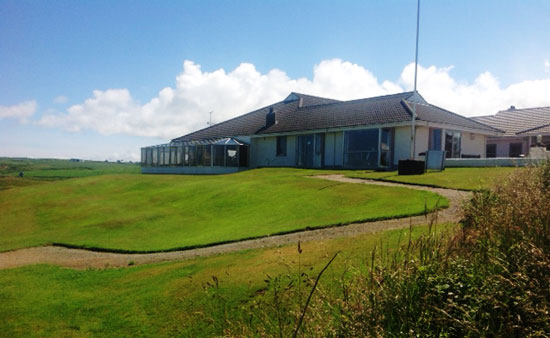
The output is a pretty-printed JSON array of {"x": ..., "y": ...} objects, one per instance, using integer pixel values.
[
  {"x": 218, "y": 155},
  {"x": 452, "y": 144},
  {"x": 491, "y": 150},
  {"x": 515, "y": 149},
  {"x": 435, "y": 139},
  {"x": 232, "y": 159},
  {"x": 361, "y": 148},
  {"x": 385, "y": 147},
  {"x": 281, "y": 146}
]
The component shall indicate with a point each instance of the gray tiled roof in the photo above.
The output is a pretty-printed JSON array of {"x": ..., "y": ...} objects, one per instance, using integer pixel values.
[
  {"x": 519, "y": 122},
  {"x": 434, "y": 114},
  {"x": 321, "y": 113}
]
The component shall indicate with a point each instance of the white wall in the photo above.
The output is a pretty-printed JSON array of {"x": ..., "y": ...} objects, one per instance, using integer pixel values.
[
  {"x": 263, "y": 152},
  {"x": 422, "y": 141},
  {"x": 402, "y": 144},
  {"x": 473, "y": 144},
  {"x": 503, "y": 145}
]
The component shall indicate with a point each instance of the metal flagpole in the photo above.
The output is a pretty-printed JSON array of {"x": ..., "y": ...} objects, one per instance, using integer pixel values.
[{"x": 413, "y": 129}]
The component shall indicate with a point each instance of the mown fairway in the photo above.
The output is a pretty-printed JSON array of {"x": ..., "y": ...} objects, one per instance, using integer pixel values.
[
  {"x": 160, "y": 212},
  {"x": 454, "y": 178},
  {"x": 167, "y": 299}
]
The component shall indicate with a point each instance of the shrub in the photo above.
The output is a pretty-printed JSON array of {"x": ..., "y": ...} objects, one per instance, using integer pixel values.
[{"x": 488, "y": 277}]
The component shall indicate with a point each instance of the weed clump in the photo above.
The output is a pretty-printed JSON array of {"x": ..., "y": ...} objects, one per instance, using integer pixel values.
[{"x": 488, "y": 277}]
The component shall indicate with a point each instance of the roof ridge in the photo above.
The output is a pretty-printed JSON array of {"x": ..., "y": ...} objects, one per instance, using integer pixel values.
[
  {"x": 226, "y": 121},
  {"x": 519, "y": 109},
  {"x": 317, "y": 97},
  {"x": 456, "y": 114},
  {"x": 534, "y": 128},
  {"x": 356, "y": 100}
]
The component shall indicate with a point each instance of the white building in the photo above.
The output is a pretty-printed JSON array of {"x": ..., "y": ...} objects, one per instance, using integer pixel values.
[{"x": 312, "y": 132}]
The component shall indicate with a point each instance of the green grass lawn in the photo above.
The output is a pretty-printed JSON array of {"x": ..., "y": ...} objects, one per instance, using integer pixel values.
[
  {"x": 166, "y": 299},
  {"x": 161, "y": 212},
  {"x": 456, "y": 178}
]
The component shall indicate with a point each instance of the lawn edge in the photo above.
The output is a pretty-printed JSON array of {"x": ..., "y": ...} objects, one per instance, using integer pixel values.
[
  {"x": 413, "y": 184},
  {"x": 213, "y": 244}
]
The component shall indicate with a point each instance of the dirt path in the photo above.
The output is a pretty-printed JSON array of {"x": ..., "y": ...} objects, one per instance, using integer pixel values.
[{"x": 81, "y": 259}]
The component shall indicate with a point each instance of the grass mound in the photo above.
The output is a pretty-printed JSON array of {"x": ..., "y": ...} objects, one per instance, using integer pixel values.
[{"x": 143, "y": 213}]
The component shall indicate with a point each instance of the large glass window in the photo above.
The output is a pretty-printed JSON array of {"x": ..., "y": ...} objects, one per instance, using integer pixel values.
[
  {"x": 232, "y": 160},
  {"x": 203, "y": 155},
  {"x": 452, "y": 144},
  {"x": 219, "y": 155},
  {"x": 173, "y": 155},
  {"x": 385, "y": 147},
  {"x": 491, "y": 150},
  {"x": 361, "y": 148},
  {"x": 166, "y": 157},
  {"x": 192, "y": 156},
  {"x": 281, "y": 146},
  {"x": 179, "y": 155},
  {"x": 515, "y": 149}
]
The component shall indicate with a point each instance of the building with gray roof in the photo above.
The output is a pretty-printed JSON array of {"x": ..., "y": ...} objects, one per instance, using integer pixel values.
[
  {"x": 314, "y": 132},
  {"x": 522, "y": 129}
]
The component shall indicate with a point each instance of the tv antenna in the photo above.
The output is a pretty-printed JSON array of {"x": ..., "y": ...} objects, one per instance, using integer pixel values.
[{"x": 209, "y": 123}]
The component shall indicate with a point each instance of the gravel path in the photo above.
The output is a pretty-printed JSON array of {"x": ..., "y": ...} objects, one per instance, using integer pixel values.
[{"x": 81, "y": 259}]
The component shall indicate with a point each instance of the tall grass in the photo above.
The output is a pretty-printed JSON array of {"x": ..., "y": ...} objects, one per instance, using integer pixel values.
[{"x": 488, "y": 277}]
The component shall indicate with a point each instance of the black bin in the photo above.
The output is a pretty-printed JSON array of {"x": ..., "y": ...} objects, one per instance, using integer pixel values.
[{"x": 411, "y": 167}]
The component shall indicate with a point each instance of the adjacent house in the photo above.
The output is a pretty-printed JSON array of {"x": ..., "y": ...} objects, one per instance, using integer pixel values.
[
  {"x": 313, "y": 132},
  {"x": 521, "y": 127}
]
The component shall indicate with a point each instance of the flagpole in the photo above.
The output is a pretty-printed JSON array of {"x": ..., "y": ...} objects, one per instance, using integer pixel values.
[{"x": 413, "y": 121}]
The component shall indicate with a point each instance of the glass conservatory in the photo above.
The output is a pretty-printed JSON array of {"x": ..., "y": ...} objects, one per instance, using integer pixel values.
[{"x": 196, "y": 157}]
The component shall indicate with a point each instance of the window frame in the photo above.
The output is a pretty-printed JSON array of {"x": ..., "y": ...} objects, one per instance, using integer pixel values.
[{"x": 281, "y": 146}]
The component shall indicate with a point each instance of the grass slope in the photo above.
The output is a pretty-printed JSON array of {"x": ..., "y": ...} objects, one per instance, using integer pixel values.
[
  {"x": 455, "y": 178},
  {"x": 167, "y": 299},
  {"x": 160, "y": 212}
]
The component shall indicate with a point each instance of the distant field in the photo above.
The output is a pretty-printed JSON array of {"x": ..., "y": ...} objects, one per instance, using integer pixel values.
[
  {"x": 160, "y": 212},
  {"x": 455, "y": 178},
  {"x": 52, "y": 168}
]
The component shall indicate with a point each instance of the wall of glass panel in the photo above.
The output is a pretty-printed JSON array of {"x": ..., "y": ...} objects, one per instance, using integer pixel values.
[
  {"x": 361, "y": 148},
  {"x": 452, "y": 143},
  {"x": 195, "y": 155}
]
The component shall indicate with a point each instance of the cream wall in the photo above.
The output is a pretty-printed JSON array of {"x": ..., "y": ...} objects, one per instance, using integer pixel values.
[
  {"x": 422, "y": 141},
  {"x": 402, "y": 143},
  {"x": 263, "y": 152},
  {"x": 503, "y": 145},
  {"x": 473, "y": 144}
]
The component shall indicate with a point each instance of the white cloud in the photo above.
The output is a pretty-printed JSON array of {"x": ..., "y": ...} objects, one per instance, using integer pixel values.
[
  {"x": 60, "y": 99},
  {"x": 184, "y": 107},
  {"x": 482, "y": 97},
  {"x": 547, "y": 65},
  {"x": 22, "y": 111}
]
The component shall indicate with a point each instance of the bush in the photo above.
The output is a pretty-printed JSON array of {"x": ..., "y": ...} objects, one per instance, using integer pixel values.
[{"x": 489, "y": 277}]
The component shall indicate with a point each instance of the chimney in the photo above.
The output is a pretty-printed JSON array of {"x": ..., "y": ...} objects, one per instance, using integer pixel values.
[
  {"x": 512, "y": 108},
  {"x": 270, "y": 118},
  {"x": 301, "y": 102}
]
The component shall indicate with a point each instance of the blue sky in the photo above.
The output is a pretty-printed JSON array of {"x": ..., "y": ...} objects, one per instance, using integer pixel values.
[{"x": 99, "y": 79}]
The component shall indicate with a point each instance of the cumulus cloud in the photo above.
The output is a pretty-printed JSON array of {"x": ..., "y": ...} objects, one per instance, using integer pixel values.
[
  {"x": 547, "y": 65},
  {"x": 184, "y": 107},
  {"x": 483, "y": 96},
  {"x": 21, "y": 111},
  {"x": 60, "y": 99}
]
